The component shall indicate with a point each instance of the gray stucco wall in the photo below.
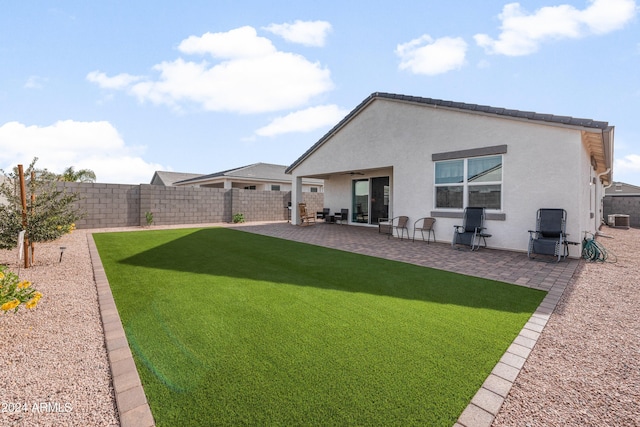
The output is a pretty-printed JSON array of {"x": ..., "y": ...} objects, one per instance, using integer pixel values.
[{"x": 120, "y": 205}]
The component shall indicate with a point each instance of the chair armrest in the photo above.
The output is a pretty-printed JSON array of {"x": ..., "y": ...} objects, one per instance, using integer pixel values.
[{"x": 458, "y": 227}]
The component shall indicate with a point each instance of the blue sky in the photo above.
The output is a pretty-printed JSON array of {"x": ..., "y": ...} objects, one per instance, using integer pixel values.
[{"x": 129, "y": 87}]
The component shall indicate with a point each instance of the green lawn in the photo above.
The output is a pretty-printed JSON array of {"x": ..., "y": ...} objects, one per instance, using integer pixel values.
[{"x": 232, "y": 328}]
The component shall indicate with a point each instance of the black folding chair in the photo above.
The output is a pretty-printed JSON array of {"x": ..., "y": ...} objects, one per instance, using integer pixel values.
[
  {"x": 471, "y": 231},
  {"x": 549, "y": 237}
]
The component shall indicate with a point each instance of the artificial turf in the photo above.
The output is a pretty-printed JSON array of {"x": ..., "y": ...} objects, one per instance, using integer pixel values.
[{"x": 233, "y": 328}]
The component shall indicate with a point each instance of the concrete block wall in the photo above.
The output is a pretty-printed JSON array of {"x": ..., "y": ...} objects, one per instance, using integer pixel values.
[
  {"x": 314, "y": 201},
  {"x": 259, "y": 205},
  {"x": 106, "y": 205},
  {"x": 182, "y": 205},
  {"x": 120, "y": 205},
  {"x": 623, "y": 205}
]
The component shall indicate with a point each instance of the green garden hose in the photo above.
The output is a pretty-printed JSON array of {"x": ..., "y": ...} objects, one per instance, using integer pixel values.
[{"x": 592, "y": 250}]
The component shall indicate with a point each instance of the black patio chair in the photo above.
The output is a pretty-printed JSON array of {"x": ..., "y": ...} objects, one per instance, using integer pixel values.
[
  {"x": 471, "y": 231},
  {"x": 323, "y": 214},
  {"x": 343, "y": 216},
  {"x": 549, "y": 237}
]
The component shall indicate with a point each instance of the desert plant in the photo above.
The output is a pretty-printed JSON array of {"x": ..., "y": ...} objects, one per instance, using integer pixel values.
[
  {"x": 149, "y": 217},
  {"x": 50, "y": 212},
  {"x": 238, "y": 218},
  {"x": 14, "y": 292}
]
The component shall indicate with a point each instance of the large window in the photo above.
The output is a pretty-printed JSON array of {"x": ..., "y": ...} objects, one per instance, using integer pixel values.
[{"x": 474, "y": 182}]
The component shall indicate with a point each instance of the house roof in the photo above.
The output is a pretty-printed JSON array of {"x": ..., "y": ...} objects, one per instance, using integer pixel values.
[
  {"x": 474, "y": 108},
  {"x": 622, "y": 189},
  {"x": 168, "y": 178},
  {"x": 253, "y": 172}
]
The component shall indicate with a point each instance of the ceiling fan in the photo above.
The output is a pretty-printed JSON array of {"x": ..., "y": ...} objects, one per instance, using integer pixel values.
[{"x": 352, "y": 173}]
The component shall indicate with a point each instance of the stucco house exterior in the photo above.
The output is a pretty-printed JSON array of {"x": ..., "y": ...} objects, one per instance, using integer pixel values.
[
  {"x": 257, "y": 176},
  {"x": 402, "y": 155}
]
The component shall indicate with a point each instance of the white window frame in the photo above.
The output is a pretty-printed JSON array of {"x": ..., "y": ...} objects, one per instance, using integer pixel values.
[{"x": 465, "y": 184}]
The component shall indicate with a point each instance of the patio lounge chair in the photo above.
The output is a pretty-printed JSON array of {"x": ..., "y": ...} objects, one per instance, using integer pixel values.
[
  {"x": 422, "y": 225},
  {"x": 305, "y": 218},
  {"x": 549, "y": 237},
  {"x": 399, "y": 223},
  {"x": 471, "y": 231}
]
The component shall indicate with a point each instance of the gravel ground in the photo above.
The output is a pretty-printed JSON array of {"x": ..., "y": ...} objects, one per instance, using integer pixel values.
[
  {"x": 53, "y": 361},
  {"x": 583, "y": 371}
]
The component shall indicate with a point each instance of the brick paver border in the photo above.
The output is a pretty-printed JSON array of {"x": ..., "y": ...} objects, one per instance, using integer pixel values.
[
  {"x": 133, "y": 409},
  {"x": 487, "y": 402}
]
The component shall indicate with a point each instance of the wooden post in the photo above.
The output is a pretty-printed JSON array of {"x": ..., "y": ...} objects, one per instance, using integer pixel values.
[
  {"x": 23, "y": 198},
  {"x": 33, "y": 202}
]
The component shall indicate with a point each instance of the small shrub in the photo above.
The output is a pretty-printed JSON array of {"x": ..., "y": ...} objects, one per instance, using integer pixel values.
[
  {"x": 238, "y": 218},
  {"x": 149, "y": 217},
  {"x": 14, "y": 292}
]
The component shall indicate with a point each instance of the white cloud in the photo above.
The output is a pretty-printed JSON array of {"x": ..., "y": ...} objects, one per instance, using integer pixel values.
[
  {"x": 84, "y": 145},
  {"x": 35, "y": 82},
  {"x": 425, "y": 55},
  {"x": 120, "y": 81},
  {"x": 304, "y": 120},
  {"x": 252, "y": 76},
  {"x": 627, "y": 169},
  {"x": 308, "y": 33},
  {"x": 629, "y": 163},
  {"x": 241, "y": 42},
  {"x": 522, "y": 33}
]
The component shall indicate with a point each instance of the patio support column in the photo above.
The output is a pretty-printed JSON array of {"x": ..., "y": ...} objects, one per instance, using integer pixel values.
[{"x": 296, "y": 197}]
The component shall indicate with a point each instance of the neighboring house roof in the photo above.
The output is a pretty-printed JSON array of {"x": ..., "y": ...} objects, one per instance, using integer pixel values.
[
  {"x": 169, "y": 178},
  {"x": 255, "y": 172},
  {"x": 601, "y": 154},
  {"x": 622, "y": 189}
]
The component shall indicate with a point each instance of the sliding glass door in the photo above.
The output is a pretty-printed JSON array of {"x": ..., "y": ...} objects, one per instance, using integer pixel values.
[
  {"x": 370, "y": 200},
  {"x": 379, "y": 199}
]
